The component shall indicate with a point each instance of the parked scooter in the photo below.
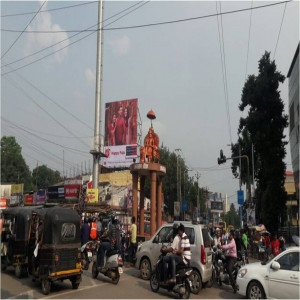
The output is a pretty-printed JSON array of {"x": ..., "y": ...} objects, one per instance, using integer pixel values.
[
  {"x": 88, "y": 250},
  {"x": 182, "y": 285},
  {"x": 219, "y": 272},
  {"x": 113, "y": 264}
]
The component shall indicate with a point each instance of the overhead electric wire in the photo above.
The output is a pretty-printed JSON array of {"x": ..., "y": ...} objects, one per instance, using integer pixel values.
[
  {"x": 82, "y": 31},
  {"x": 279, "y": 31},
  {"x": 43, "y": 139},
  {"x": 44, "y": 110},
  {"x": 248, "y": 40},
  {"x": 23, "y": 30},
  {"x": 225, "y": 69},
  {"x": 169, "y": 22},
  {"x": 47, "y": 10}
]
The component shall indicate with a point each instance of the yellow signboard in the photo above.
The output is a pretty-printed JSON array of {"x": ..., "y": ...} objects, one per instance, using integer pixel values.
[
  {"x": 17, "y": 188},
  {"x": 92, "y": 195}
]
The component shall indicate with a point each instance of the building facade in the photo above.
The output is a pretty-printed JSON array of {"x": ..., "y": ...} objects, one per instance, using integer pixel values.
[{"x": 293, "y": 76}]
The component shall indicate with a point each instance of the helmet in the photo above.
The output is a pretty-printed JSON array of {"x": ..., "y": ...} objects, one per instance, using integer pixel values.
[{"x": 175, "y": 228}]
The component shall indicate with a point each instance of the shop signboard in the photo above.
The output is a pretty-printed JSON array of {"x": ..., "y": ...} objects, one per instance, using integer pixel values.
[
  {"x": 29, "y": 199},
  {"x": 92, "y": 195}
]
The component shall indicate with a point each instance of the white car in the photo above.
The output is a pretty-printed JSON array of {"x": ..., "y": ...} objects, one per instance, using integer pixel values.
[{"x": 277, "y": 278}]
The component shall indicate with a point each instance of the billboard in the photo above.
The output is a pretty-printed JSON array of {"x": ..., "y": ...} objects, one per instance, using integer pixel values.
[
  {"x": 56, "y": 192},
  {"x": 29, "y": 199},
  {"x": 17, "y": 188},
  {"x": 92, "y": 195},
  {"x": 2, "y": 203},
  {"x": 120, "y": 139},
  {"x": 5, "y": 190},
  {"x": 216, "y": 206},
  {"x": 72, "y": 191},
  {"x": 40, "y": 197}
]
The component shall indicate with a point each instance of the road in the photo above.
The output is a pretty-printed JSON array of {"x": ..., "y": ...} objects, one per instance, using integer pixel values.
[{"x": 130, "y": 286}]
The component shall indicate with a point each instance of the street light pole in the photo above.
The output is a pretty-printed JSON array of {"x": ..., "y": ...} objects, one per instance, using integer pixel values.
[
  {"x": 178, "y": 183},
  {"x": 198, "y": 202}
]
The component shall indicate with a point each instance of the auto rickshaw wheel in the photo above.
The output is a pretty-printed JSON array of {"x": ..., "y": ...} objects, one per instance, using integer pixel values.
[
  {"x": 94, "y": 270},
  {"x": 75, "y": 285},
  {"x": 46, "y": 286},
  {"x": 18, "y": 271}
]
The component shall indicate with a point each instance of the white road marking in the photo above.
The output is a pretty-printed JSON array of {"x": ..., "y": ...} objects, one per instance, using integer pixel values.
[{"x": 29, "y": 295}]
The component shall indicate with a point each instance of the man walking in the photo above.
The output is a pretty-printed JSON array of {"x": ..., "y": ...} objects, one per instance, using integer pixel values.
[{"x": 133, "y": 246}]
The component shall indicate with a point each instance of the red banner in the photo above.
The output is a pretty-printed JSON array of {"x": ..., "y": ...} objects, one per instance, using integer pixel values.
[
  {"x": 72, "y": 191},
  {"x": 3, "y": 203},
  {"x": 29, "y": 199}
]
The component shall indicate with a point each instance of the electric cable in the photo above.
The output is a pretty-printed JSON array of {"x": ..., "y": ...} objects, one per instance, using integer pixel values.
[
  {"x": 82, "y": 31},
  {"x": 41, "y": 138},
  {"x": 44, "y": 110},
  {"x": 47, "y": 10},
  {"x": 23, "y": 30},
  {"x": 279, "y": 31},
  {"x": 248, "y": 40}
]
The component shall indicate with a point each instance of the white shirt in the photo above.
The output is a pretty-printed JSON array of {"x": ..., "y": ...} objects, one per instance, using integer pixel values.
[{"x": 176, "y": 243}]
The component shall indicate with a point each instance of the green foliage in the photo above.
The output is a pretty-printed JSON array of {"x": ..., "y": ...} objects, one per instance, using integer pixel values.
[
  {"x": 13, "y": 165},
  {"x": 232, "y": 217},
  {"x": 264, "y": 126},
  {"x": 45, "y": 177}
]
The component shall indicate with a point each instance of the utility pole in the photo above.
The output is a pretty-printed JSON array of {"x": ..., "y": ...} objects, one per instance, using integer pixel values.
[
  {"x": 96, "y": 149},
  {"x": 178, "y": 182},
  {"x": 198, "y": 202},
  {"x": 63, "y": 163},
  {"x": 240, "y": 159}
]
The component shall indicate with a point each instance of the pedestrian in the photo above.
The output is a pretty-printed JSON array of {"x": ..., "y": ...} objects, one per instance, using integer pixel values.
[
  {"x": 245, "y": 244},
  {"x": 93, "y": 232},
  {"x": 85, "y": 232},
  {"x": 275, "y": 246},
  {"x": 133, "y": 244},
  {"x": 99, "y": 226},
  {"x": 282, "y": 243}
]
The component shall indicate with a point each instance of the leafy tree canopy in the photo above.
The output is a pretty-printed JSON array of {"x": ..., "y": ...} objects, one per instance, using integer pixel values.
[
  {"x": 263, "y": 127},
  {"x": 45, "y": 177},
  {"x": 13, "y": 165}
]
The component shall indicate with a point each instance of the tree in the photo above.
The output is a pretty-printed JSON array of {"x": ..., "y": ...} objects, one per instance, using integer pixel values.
[
  {"x": 264, "y": 126},
  {"x": 13, "y": 165},
  {"x": 45, "y": 177},
  {"x": 232, "y": 217}
]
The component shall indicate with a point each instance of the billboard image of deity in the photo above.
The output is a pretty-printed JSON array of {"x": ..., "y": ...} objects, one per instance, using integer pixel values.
[{"x": 120, "y": 139}]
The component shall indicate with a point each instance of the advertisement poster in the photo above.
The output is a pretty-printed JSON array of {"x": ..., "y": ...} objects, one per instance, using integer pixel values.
[
  {"x": 250, "y": 217},
  {"x": 120, "y": 138},
  {"x": 3, "y": 203},
  {"x": 72, "y": 191},
  {"x": 40, "y": 197},
  {"x": 56, "y": 192},
  {"x": 176, "y": 209},
  {"x": 5, "y": 190},
  {"x": 15, "y": 200},
  {"x": 17, "y": 189},
  {"x": 29, "y": 199},
  {"x": 216, "y": 206},
  {"x": 92, "y": 195}
]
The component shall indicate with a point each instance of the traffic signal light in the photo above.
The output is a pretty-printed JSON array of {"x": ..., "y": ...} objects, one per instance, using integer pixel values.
[{"x": 222, "y": 158}]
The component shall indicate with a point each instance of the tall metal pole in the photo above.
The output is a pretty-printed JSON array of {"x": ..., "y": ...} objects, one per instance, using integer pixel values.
[
  {"x": 178, "y": 183},
  {"x": 198, "y": 202},
  {"x": 253, "y": 167},
  {"x": 63, "y": 163},
  {"x": 98, "y": 100},
  {"x": 240, "y": 153}
]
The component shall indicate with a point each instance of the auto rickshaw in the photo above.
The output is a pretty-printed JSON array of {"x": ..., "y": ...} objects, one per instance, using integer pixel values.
[
  {"x": 54, "y": 246},
  {"x": 14, "y": 239}
]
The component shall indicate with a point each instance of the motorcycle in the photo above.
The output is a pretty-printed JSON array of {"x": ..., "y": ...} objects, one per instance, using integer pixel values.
[
  {"x": 219, "y": 272},
  {"x": 241, "y": 258},
  {"x": 88, "y": 250},
  {"x": 182, "y": 285},
  {"x": 113, "y": 264}
]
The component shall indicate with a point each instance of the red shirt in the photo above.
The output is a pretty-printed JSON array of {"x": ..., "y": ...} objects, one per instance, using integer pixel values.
[{"x": 275, "y": 247}]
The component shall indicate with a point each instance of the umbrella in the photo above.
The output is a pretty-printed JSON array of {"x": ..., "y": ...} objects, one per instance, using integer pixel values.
[{"x": 262, "y": 227}]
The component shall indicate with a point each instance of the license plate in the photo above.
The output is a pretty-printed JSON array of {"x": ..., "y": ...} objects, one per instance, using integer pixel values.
[
  {"x": 120, "y": 270},
  {"x": 90, "y": 254}
]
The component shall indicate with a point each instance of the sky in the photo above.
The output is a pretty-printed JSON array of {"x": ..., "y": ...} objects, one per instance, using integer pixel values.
[{"x": 174, "y": 69}]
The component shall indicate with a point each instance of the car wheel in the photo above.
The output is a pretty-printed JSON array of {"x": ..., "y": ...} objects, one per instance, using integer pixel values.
[
  {"x": 46, "y": 286},
  {"x": 255, "y": 291},
  {"x": 196, "y": 281},
  {"x": 145, "y": 269}
]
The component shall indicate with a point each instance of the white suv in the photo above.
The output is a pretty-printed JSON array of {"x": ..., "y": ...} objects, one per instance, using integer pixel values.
[{"x": 201, "y": 260}]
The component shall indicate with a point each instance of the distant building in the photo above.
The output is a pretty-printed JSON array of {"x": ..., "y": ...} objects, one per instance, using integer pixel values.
[
  {"x": 293, "y": 76},
  {"x": 291, "y": 204}
]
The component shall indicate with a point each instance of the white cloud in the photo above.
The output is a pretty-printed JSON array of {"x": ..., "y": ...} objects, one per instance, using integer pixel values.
[
  {"x": 90, "y": 76},
  {"x": 120, "y": 46},
  {"x": 43, "y": 22}
]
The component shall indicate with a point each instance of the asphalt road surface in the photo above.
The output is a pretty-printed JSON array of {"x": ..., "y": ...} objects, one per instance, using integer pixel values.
[{"x": 130, "y": 286}]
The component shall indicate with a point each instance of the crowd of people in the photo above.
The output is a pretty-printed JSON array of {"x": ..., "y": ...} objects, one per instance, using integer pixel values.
[{"x": 112, "y": 235}]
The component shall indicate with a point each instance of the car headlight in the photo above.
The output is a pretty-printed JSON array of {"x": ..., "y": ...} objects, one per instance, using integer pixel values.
[{"x": 242, "y": 272}]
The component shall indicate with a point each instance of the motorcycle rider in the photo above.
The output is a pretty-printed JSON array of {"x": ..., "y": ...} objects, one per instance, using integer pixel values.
[
  {"x": 231, "y": 258},
  {"x": 93, "y": 232},
  {"x": 183, "y": 254},
  {"x": 167, "y": 260},
  {"x": 110, "y": 244}
]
